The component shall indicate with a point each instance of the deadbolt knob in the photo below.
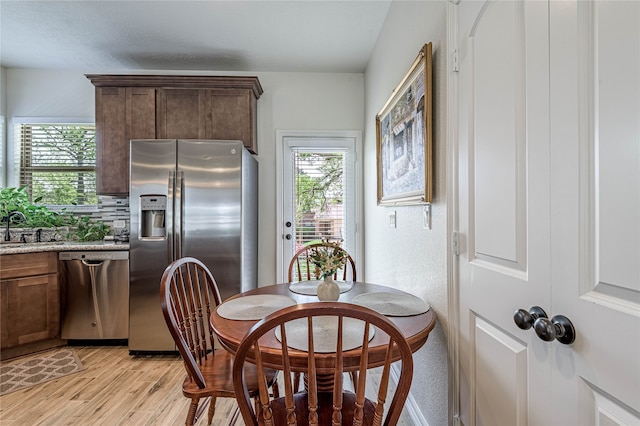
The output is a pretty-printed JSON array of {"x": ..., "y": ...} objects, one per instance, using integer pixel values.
[
  {"x": 559, "y": 327},
  {"x": 526, "y": 319}
]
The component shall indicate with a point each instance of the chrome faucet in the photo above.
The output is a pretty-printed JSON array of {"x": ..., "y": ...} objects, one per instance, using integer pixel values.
[{"x": 7, "y": 235}]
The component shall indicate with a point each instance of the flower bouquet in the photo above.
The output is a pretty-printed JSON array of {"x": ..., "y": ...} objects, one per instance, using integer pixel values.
[{"x": 328, "y": 258}]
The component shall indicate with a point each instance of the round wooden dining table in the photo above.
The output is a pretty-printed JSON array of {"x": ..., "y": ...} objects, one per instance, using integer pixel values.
[{"x": 230, "y": 332}]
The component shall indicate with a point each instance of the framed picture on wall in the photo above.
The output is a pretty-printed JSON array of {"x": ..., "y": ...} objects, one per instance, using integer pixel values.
[{"x": 404, "y": 134}]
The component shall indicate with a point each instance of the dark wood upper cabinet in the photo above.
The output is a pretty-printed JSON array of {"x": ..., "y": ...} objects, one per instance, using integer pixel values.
[
  {"x": 122, "y": 114},
  {"x": 182, "y": 114},
  {"x": 233, "y": 115},
  {"x": 167, "y": 107}
]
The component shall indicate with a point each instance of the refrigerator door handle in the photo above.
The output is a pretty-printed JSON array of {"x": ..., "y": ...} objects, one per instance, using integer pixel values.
[
  {"x": 170, "y": 210},
  {"x": 178, "y": 213}
]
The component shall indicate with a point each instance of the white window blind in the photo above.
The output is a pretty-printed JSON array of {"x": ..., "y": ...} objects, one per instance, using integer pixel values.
[
  {"x": 3, "y": 147},
  {"x": 318, "y": 192},
  {"x": 58, "y": 163}
]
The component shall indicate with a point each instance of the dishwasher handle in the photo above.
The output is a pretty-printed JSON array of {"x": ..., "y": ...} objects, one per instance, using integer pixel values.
[{"x": 90, "y": 263}]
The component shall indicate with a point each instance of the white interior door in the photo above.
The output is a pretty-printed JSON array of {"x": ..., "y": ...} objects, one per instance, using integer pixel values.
[
  {"x": 503, "y": 209},
  {"x": 549, "y": 210},
  {"x": 595, "y": 210}
]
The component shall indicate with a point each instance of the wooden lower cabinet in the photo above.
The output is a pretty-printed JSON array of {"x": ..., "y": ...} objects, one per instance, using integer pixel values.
[{"x": 29, "y": 303}]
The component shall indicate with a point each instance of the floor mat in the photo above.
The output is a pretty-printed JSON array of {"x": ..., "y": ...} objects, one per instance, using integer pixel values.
[{"x": 20, "y": 374}]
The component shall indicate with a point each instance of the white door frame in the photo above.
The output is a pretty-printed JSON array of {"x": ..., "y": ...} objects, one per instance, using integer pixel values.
[
  {"x": 453, "y": 276},
  {"x": 281, "y": 136}
]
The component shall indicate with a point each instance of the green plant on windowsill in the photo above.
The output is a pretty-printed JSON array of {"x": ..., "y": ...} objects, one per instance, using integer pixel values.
[
  {"x": 37, "y": 216},
  {"x": 90, "y": 230}
]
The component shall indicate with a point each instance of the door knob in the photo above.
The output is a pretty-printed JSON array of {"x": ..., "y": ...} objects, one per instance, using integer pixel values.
[
  {"x": 525, "y": 320},
  {"x": 559, "y": 327},
  {"x": 288, "y": 236}
]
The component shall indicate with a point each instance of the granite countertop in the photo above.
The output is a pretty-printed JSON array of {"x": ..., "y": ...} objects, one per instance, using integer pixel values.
[{"x": 16, "y": 247}]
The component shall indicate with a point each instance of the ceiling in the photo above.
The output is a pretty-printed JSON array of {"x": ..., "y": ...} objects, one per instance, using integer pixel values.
[{"x": 210, "y": 35}]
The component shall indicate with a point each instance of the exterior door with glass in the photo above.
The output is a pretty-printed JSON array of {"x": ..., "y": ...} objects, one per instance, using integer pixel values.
[{"x": 319, "y": 195}]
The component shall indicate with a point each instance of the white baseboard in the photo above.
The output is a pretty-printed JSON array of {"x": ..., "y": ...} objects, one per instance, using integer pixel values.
[{"x": 411, "y": 406}]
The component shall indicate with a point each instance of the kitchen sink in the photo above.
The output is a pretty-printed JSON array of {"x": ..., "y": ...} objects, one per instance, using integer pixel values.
[
  {"x": 14, "y": 244},
  {"x": 11, "y": 245}
]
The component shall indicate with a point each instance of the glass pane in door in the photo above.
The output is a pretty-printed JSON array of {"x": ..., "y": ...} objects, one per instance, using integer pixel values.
[{"x": 319, "y": 210}]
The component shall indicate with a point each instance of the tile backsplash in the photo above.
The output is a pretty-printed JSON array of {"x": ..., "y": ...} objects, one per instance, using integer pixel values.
[{"x": 112, "y": 209}]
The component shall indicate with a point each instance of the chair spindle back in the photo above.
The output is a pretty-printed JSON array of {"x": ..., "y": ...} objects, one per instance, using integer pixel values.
[
  {"x": 302, "y": 269},
  {"x": 189, "y": 293},
  {"x": 322, "y": 404}
]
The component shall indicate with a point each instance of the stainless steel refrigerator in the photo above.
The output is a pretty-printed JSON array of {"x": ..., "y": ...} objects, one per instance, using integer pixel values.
[{"x": 195, "y": 198}]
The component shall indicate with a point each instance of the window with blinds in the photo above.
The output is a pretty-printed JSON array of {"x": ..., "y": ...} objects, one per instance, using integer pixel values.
[
  {"x": 58, "y": 163},
  {"x": 3, "y": 147},
  {"x": 318, "y": 193}
]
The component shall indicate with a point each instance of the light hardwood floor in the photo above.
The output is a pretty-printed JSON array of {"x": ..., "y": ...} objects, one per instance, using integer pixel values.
[{"x": 114, "y": 389}]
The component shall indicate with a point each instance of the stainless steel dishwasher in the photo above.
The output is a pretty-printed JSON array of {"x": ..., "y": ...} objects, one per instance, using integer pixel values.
[{"x": 97, "y": 295}]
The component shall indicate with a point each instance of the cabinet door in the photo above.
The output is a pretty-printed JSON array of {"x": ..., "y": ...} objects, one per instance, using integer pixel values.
[
  {"x": 233, "y": 116},
  {"x": 30, "y": 310},
  {"x": 122, "y": 114},
  {"x": 227, "y": 114},
  {"x": 5, "y": 318},
  {"x": 110, "y": 139},
  {"x": 141, "y": 114},
  {"x": 182, "y": 114}
]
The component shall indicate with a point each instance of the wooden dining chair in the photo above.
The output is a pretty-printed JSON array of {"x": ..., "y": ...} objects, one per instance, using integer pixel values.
[
  {"x": 189, "y": 294},
  {"x": 302, "y": 269},
  {"x": 323, "y": 407}
]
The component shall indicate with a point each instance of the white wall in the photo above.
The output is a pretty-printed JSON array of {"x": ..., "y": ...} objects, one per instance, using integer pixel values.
[
  {"x": 409, "y": 257},
  {"x": 297, "y": 101},
  {"x": 3, "y": 123},
  {"x": 3, "y": 90},
  {"x": 291, "y": 101}
]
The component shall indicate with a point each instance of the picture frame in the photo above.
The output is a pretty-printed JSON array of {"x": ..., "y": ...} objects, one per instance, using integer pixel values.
[{"x": 404, "y": 137}]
